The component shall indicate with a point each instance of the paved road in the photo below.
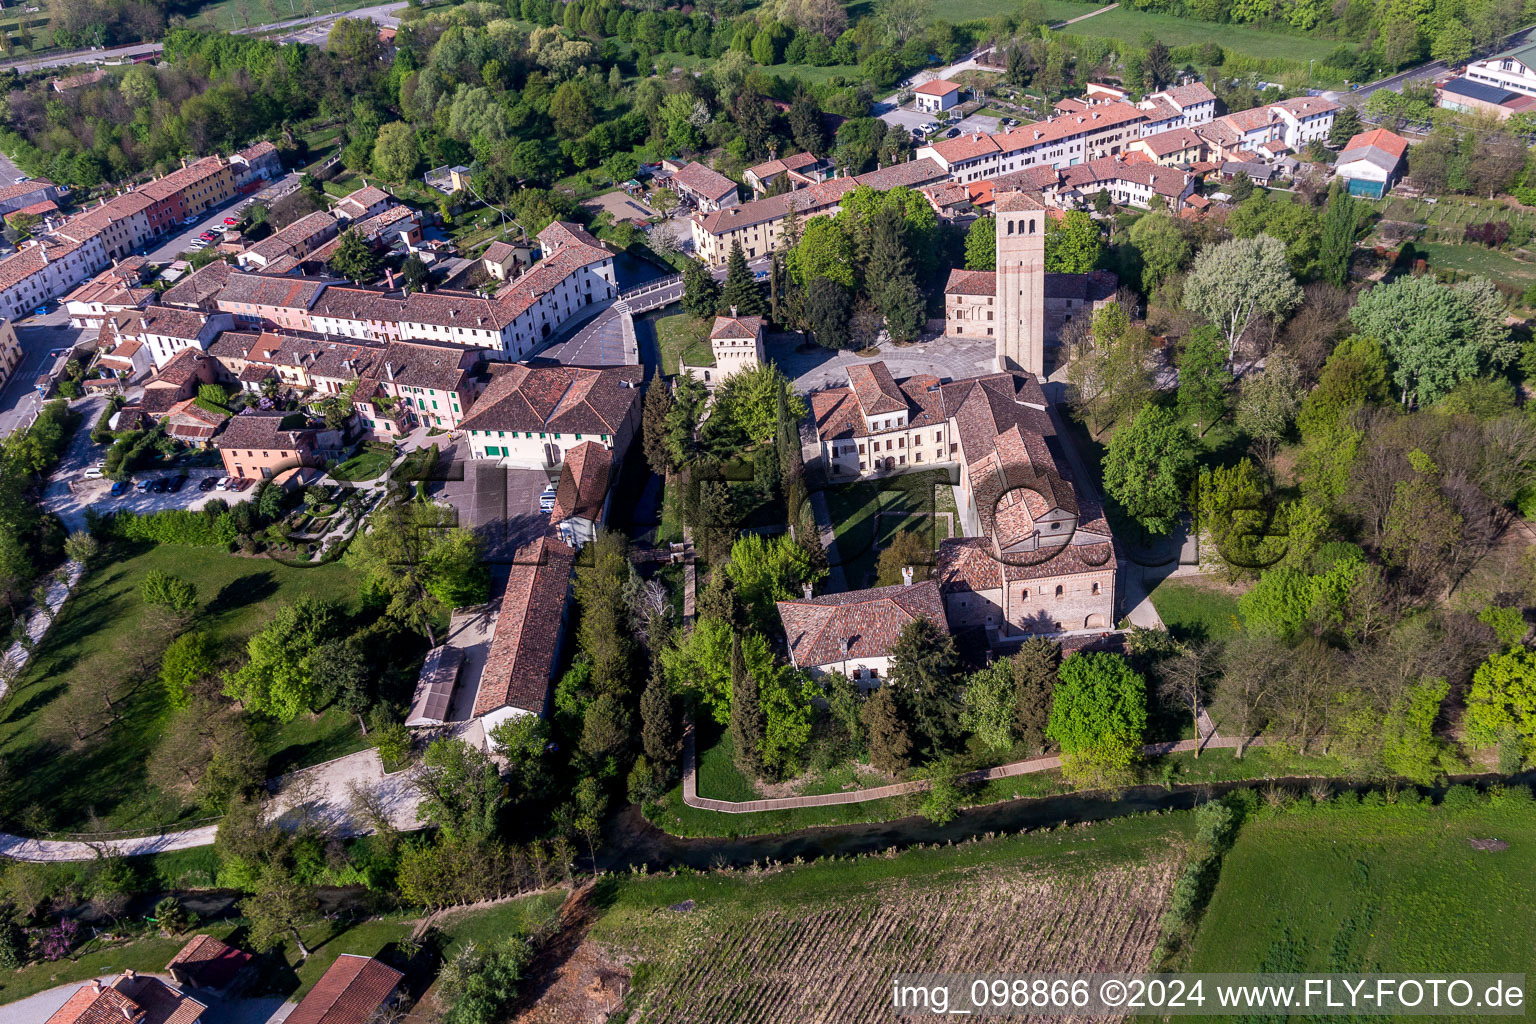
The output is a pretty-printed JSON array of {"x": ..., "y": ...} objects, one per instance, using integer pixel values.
[
  {"x": 307, "y": 30},
  {"x": 44, "y": 341},
  {"x": 1433, "y": 69}
]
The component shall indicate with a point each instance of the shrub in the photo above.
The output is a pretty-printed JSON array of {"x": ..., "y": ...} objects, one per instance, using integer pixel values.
[
  {"x": 1459, "y": 798},
  {"x": 175, "y": 526}
]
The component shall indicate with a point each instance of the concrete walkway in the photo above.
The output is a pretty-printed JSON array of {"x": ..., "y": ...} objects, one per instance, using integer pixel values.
[
  {"x": 38, "y": 623},
  {"x": 321, "y": 793},
  {"x": 1028, "y": 767}
]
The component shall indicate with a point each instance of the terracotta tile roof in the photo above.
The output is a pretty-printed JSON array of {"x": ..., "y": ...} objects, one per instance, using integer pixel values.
[
  {"x": 971, "y": 282},
  {"x": 1174, "y": 141},
  {"x": 736, "y": 327},
  {"x": 25, "y": 188},
  {"x": 30, "y": 260},
  {"x": 821, "y": 196},
  {"x": 556, "y": 398},
  {"x": 937, "y": 87},
  {"x": 876, "y": 389},
  {"x": 567, "y": 248},
  {"x": 271, "y": 290},
  {"x": 499, "y": 252},
  {"x": 263, "y": 430},
  {"x": 200, "y": 287},
  {"x": 1158, "y": 109},
  {"x": 35, "y": 209},
  {"x": 257, "y": 149},
  {"x": 1189, "y": 95},
  {"x": 526, "y": 638},
  {"x": 966, "y": 147},
  {"x": 707, "y": 182},
  {"x": 1014, "y": 201},
  {"x": 1099, "y": 117},
  {"x": 870, "y": 621},
  {"x": 972, "y": 564},
  {"x": 206, "y": 962},
  {"x": 947, "y": 193},
  {"x": 165, "y": 321},
  {"x": 583, "y": 483},
  {"x": 1165, "y": 181},
  {"x": 1379, "y": 138},
  {"x": 422, "y": 365},
  {"x": 184, "y": 178},
  {"x": 349, "y": 992},
  {"x": 354, "y": 204},
  {"x": 346, "y": 303},
  {"x": 1306, "y": 106},
  {"x": 131, "y": 999},
  {"x": 838, "y": 414}
]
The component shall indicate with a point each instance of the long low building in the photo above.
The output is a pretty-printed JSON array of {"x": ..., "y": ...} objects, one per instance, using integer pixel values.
[{"x": 758, "y": 226}]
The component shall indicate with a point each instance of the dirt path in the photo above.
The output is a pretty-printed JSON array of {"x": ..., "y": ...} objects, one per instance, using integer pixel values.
[{"x": 570, "y": 980}]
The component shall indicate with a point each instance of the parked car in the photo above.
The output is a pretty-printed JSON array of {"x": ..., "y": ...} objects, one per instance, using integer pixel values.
[
  {"x": 94, "y": 473},
  {"x": 144, "y": 485},
  {"x": 953, "y": 132},
  {"x": 1008, "y": 122},
  {"x": 177, "y": 483},
  {"x": 547, "y": 501},
  {"x": 119, "y": 488},
  {"x": 160, "y": 486},
  {"x": 208, "y": 483},
  {"x": 224, "y": 483},
  {"x": 40, "y": 311},
  {"x": 207, "y": 236},
  {"x": 231, "y": 221},
  {"x": 240, "y": 483}
]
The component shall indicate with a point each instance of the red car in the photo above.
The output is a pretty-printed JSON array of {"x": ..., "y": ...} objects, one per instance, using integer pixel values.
[
  {"x": 207, "y": 236},
  {"x": 231, "y": 221}
]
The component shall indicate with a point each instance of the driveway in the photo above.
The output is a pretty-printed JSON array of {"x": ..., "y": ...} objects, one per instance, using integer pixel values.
[
  {"x": 500, "y": 503},
  {"x": 39, "y": 1007}
]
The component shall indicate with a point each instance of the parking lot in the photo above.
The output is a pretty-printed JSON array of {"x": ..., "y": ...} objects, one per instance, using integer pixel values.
[
  {"x": 906, "y": 118},
  {"x": 501, "y": 503},
  {"x": 98, "y": 494}
]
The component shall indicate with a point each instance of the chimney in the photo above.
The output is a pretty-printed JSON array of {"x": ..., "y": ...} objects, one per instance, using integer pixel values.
[
  {"x": 96, "y": 985},
  {"x": 389, "y": 371},
  {"x": 128, "y": 973},
  {"x": 733, "y": 312},
  {"x": 389, "y": 275},
  {"x": 906, "y": 575},
  {"x": 807, "y": 588}
]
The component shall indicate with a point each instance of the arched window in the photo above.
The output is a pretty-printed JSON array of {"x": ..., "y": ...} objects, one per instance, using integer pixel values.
[
  {"x": 1026, "y": 594},
  {"x": 1031, "y": 225},
  {"x": 1095, "y": 588},
  {"x": 1058, "y": 590},
  {"x": 1010, "y": 227}
]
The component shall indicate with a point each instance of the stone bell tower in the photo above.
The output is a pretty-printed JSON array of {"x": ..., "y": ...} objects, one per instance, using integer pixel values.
[{"x": 1021, "y": 283}]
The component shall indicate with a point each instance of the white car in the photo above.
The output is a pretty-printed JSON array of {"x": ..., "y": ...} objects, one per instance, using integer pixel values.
[
  {"x": 547, "y": 501},
  {"x": 224, "y": 482},
  {"x": 94, "y": 473}
]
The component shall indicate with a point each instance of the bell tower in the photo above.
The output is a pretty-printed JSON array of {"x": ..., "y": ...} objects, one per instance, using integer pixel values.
[{"x": 1021, "y": 283}]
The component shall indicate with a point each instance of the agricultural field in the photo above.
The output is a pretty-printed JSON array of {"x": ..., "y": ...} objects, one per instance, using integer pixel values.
[
  {"x": 819, "y": 943},
  {"x": 1129, "y": 25},
  {"x": 1376, "y": 888}
]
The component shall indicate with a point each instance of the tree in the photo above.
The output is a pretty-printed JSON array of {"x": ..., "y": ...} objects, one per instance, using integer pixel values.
[
  {"x": 768, "y": 570},
  {"x": 1436, "y": 335},
  {"x": 1182, "y": 680},
  {"x": 1234, "y": 283},
  {"x": 395, "y": 155},
  {"x": 1164, "y": 247},
  {"x": 1158, "y": 70},
  {"x": 276, "y": 679},
  {"x": 1341, "y": 221},
  {"x": 746, "y": 405},
  {"x": 1098, "y": 715},
  {"x": 605, "y": 732},
  {"x": 1073, "y": 244},
  {"x": 890, "y": 745},
  {"x": 1409, "y": 747},
  {"x": 990, "y": 705},
  {"x": 749, "y": 725},
  {"x": 354, "y": 258},
  {"x": 909, "y": 549},
  {"x": 659, "y": 723},
  {"x": 805, "y": 123},
  {"x": 1503, "y": 698},
  {"x": 81, "y": 547},
  {"x": 1346, "y": 125},
  {"x": 1147, "y": 467},
  {"x": 1109, "y": 371},
  {"x": 827, "y": 312},
  {"x": 825, "y": 251},
  {"x": 163, "y": 589},
  {"x": 276, "y": 909},
  {"x": 925, "y": 679},
  {"x": 454, "y": 574},
  {"x": 741, "y": 292},
  {"x": 1268, "y": 403},
  {"x": 414, "y": 275},
  {"x": 1203, "y": 378},
  {"x": 460, "y": 789},
  {"x": 701, "y": 293},
  {"x": 341, "y": 672},
  {"x": 981, "y": 244},
  {"x": 399, "y": 564},
  {"x": 653, "y": 426},
  {"x": 188, "y": 659}
]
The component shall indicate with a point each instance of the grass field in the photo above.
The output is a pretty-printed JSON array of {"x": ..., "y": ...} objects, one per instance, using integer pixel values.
[
  {"x": 957, "y": 11},
  {"x": 365, "y": 465},
  {"x": 103, "y": 778},
  {"x": 682, "y": 338},
  {"x": 1129, "y": 25},
  {"x": 1376, "y": 889},
  {"x": 868, "y": 514},
  {"x": 792, "y": 944},
  {"x": 1499, "y": 267},
  {"x": 1195, "y": 611}
]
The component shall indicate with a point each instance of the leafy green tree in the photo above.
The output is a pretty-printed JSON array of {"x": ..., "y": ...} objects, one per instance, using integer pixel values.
[
  {"x": 354, "y": 259},
  {"x": 827, "y": 312},
  {"x": 277, "y": 907},
  {"x": 701, "y": 293},
  {"x": 1341, "y": 222},
  {"x": 1203, "y": 378},
  {"x": 1033, "y": 669},
  {"x": 741, "y": 290},
  {"x": 766, "y": 570},
  {"x": 276, "y": 679},
  {"x": 1356, "y": 374},
  {"x": 1147, "y": 468},
  {"x": 1503, "y": 698},
  {"x": 1268, "y": 403},
  {"x": 1436, "y": 335},
  {"x": 1346, "y": 125},
  {"x": 748, "y": 402},
  {"x": 188, "y": 659},
  {"x": 605, "y": 733},
  {"x": 456, "y": 576},
  {"x": 1294, "y": 225},
  {"x": 890, "y": 742},
  {"x": 1073, "y": 244},
  {"x": 1108, "y": 372},
  {"x": 1230, "y": 509},
  {"x": 1506, "y": 621},
  {"x": 805, "y": 123},
  {"x": 166, "y": 590},
  {"x": 660, "y": 734},
  {"x": 1163, "y": 246},
  {"x": 653, "y": 426},
  {"x": 824, "y": 252},
  {"x": 909, "y": 549},
  {"x": 395, "y": 155},
  {"x": 1286, "y": 600},
  {"x": 1234, "y": 283},
  {"x": 414, "y": 275},
  {"x": 990, "y": 704},
  {"x": 1098, "y": 716},
  {"x": 461, "y": 791},
  {"x": 749, "y": 725},
  {"x": 981, "y": 244},
  {"x": 924, "y": 675},
  {"x": 400, "y": 564},
  {"x": 1409, "y": 745}
]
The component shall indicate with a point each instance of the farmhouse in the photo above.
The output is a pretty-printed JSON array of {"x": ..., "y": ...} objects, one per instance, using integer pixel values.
[
  {"x": 853, "y": 632},
  {"x": 1372, "y": 163},
  {"x": 936, "y": 96}
]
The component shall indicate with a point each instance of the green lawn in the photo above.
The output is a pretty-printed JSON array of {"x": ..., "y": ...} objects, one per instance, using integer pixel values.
[
  {"x": 365, "y": 465},
  {"x": 957, "y": 11},
  {"x": 1376, "y": 889},
  {"x": 1195, "y": 611},
  {"x": 868, "y": 513},
  {"x": 104, "y": 776},
  {"x": 1500, "y": 267},
  {"x": 1127, "y": 24},
  {"x": 100, "y": 958},
  {"x": 682, "y": 338}
]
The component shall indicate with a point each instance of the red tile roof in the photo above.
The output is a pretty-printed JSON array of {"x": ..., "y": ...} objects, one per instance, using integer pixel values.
[
  {"x": 938, "y": 87},
  {"x": 736, "y": 327},
  {"x": 869, "y": 621},
  {"x": 876, "y": 389},
  {"x": 350, "y": 991},
  {"x": 971, "y": 282},
  {"x": 707, "y": 182},
  {"x": 583, "y": 483},
  {"x": 1381, "y": 139},
  {"x": 526, "y": 638},
  {"x": 131, "y": 999},
  {"x": 556, "y": 398},
  {"x": 208, "y": 963}
]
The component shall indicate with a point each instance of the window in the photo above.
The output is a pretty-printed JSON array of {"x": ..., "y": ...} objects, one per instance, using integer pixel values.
[
  {"x": 1095, "y": 590},
  {"x": 1058, "y": 590}
]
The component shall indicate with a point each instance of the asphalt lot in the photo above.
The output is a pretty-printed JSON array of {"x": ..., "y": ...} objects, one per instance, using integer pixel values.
[
  {"x": 44, "y": 341},
  {"x": 179, "y": 245},
  {"x": 502, "y": 504}
]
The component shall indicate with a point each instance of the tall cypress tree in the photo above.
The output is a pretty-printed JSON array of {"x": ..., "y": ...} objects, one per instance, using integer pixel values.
[
  {"x": 890, "y": 745},
  {"x": 1340, "y": 221},
  {"x": 653, "y": 426},
  {"x": 749, "y": 726},
  {"x": 701, "y": 293},
  {"x": 889, "y": 279},
  {"x": 741, "y": 291},
  {"x": 658, "y": 718}
]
